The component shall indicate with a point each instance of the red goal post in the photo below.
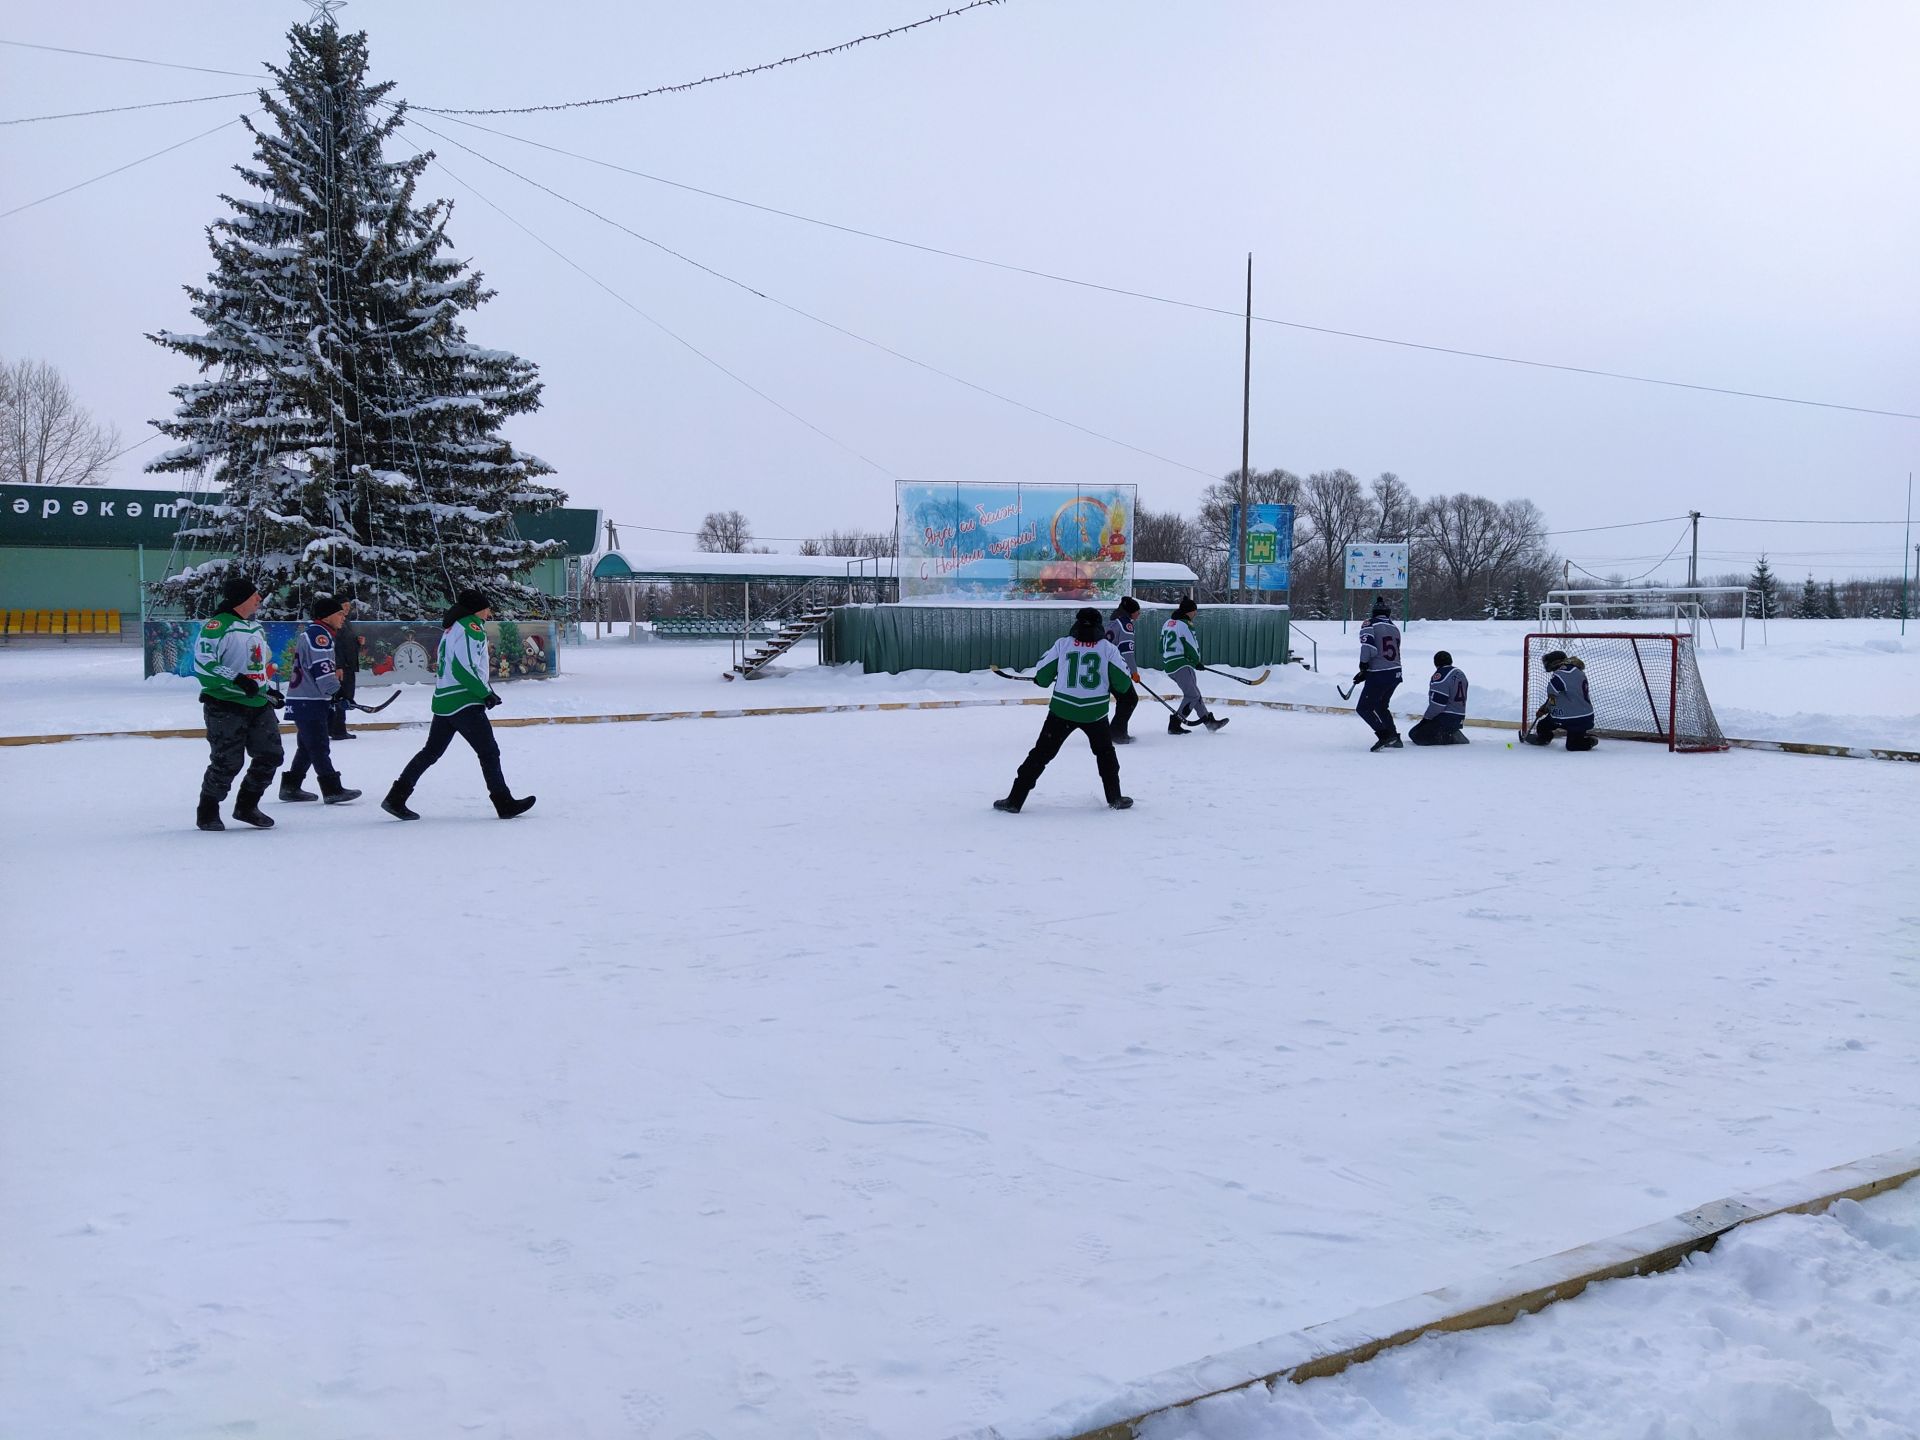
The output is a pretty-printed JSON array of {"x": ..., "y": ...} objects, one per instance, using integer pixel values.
[{"x": 1644, "y": 687}]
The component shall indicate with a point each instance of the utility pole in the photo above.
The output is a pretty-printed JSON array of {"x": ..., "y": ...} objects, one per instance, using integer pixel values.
[
  {"x": 1906, "y": 592},
  {"x": 1693, "y": 563},
  {"x": 1246, "y": 426}
]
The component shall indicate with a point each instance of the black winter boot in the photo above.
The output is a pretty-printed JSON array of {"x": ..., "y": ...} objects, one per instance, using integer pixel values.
[
  {"x": 506, "y": 807},
  {"x": 1120, "y": 802},
  {"x": 1214, "y": 722},
  {"x": 1010, "y": 805},
  {"x": 396, "y": 804},
  {"x": 207, "y": 817},
  {"x": 246, "y": 808},
  {"x": 290, "y": 790},
  {"x": 334, "y": 793},
  {"x": 1174, "y": 727},
  {"x": 1120, "y": 737}
]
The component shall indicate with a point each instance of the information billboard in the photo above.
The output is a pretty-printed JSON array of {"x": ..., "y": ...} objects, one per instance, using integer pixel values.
[{"x": 1377, "y": 567}]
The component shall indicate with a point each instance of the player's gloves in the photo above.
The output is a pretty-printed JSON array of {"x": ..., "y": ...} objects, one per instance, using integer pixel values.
[
  {"x": 276, "y": 699},
  {"x": 1135, "y": 677},
  {"x": 491, "y": 700},
  {"x": 1359, "y": 676},
  {"x": 246, "y": 685}
]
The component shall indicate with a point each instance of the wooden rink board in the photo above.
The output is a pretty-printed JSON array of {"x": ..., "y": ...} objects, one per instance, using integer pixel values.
[
  {"x": 1328, "y": 1349},
  {"x": 1789, "y": 747}
]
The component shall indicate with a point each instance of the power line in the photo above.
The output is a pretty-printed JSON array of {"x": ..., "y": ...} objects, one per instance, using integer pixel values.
[
  {"x": 1627, "y": 525},
  {"x": 120, "y": 109},
  {"x": 131, "y": 59},
  {"x": 4, "y": 214},
  {"x": 677, "y": 338},
  {"x": 1752, "y": 520},
  {"x": 1152, "y": 298},
  {"x": 816, "y": 319},
  {"x": 724, "y": 75},
  {"x": 1678, "y": 541}
]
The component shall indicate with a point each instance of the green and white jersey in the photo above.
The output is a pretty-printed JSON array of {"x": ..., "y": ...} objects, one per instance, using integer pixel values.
[
  {"x": 1082, "y": 674},
  {"x": 465, "y": 664},
  {"x": 1179, "y": 646},
  {"x": 227, "y": 649}
]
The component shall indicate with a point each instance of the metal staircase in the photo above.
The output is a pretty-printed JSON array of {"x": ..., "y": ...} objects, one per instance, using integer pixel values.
[{"x": 798, "y": 617}]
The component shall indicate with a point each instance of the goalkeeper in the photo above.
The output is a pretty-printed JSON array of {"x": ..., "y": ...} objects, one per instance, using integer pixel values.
[{"x": 1568, "y": 706}]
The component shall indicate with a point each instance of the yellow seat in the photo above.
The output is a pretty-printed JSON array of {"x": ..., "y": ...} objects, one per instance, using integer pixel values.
[
  {"x": 52, "y": 622},
  {"x": 113, "y": 621}
]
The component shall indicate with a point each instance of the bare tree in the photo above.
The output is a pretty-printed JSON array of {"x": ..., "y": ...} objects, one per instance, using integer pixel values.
[
  {"x": 1340, "y": 514},
  {"x": 46, "y": 436},
  {"x": 1395, "y": 506},
  {"x": 725, "y": 532},
  {"x": 1474, "y": 547},
  {"x": 867, "y": 543}
]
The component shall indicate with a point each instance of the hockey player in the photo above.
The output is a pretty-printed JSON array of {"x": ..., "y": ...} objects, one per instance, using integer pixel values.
[
  {"x": 1569, "y": 705},
  {"x": 461, "y": 698},
  {"x": 1120, "y": 635},
  {"x": 1379, "y": 675},
  {"x": 230, "y": 661},
  {"x": 1081, "y": 669},
  {"x": 1180, "y": 657},
  {"x": 1446, "y": 717},
  {"x": 316, "y": 681}
]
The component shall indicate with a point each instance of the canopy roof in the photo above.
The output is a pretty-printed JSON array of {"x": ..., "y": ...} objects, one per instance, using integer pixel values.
[{"x": 704, "y": 567}]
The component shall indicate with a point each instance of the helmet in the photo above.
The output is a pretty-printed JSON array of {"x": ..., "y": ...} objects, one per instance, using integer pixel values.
[{"x": 1554, "y": 659}]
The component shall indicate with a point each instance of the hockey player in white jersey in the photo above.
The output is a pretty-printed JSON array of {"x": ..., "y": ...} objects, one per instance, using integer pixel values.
[
  {"x": 1082, "y": 669},
  {"x": 1379, "y": 675}
]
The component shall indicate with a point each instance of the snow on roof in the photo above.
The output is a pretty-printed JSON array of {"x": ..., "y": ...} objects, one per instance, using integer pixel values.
[{"x": 705, "y": 565}]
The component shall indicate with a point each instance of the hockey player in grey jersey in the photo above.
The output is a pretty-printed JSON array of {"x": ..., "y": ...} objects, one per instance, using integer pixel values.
[
  {"x": 316, "y": 682},
  {"x": 1568, "y": 706},
  {"x": 1446, "y": 717},
  {"x": 1379, "y": 675},
  {"x": 1120, "y": 634}
]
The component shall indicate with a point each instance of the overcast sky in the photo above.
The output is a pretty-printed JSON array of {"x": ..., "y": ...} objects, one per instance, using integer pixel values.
[{"x": 1722, "y": 193}]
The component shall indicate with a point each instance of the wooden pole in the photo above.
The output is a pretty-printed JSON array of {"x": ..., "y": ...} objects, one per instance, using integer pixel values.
[{"x": 1246, "y": 427}]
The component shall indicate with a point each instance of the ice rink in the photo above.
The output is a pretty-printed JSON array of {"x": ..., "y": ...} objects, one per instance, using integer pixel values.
[{"x": 762, "y": 1082}]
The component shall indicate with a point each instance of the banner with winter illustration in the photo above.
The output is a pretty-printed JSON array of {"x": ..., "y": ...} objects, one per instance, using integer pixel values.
[
  {"x": 1266, "y": 546},
  {"x": 392, "y": 652},
  {"x": 979, "y": 542},
  {"x": 1377, "y": 567}
]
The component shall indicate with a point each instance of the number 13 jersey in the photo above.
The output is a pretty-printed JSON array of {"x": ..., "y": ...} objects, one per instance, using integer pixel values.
[{"x": 1082, "y": 675}]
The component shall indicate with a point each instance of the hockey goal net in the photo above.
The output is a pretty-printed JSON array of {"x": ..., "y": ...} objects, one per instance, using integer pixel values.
[{"x": 1644, "y": 687}]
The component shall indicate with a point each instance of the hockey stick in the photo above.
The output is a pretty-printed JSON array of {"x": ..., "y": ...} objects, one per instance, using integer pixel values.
[
  {"x": 375, "y": 709},
  {"x": 1009, "y": 675},
  {"x": 1259, "y": 679},
  {"x": 1142, "y": 685}
]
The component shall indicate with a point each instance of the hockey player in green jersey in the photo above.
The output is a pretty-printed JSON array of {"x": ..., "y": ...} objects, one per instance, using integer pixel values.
[
  {"x": 462, "y": 695},
  {"x": 1082, "y": 669},
  {"x": 230, "y": 662},
  {"x": 1180, "y": 658}
]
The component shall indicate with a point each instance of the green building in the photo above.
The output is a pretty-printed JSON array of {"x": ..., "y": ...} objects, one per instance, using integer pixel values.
[{"x": 86, "y": 548}]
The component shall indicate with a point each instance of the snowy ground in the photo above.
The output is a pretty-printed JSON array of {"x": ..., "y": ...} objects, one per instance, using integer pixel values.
[
  {"x": 1799, "y": 1326},
  {"x": 763, "y": 1083},
  {"x": 1838, "y": 682}
]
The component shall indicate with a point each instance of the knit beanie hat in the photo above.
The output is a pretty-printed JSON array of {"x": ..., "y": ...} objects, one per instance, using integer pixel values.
[{"x": 237, "y": 591}]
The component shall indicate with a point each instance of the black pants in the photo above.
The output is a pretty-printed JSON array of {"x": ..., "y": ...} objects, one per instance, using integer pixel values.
[
  {"x": 471, "y": 725},
  {"x": 1579, "y": 732},
  {"x": 1438, "y": 730},
  {"x": 235, "y": 732},
  {"x": 1123, "y": 710},
  {"x": 1375, "y": 696},
  {"x": 1053, "y": 734},
  {"x": 315, "y": 750}
]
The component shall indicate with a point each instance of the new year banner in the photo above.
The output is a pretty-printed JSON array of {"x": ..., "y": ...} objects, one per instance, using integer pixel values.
[{"x": 974, "y": 543}]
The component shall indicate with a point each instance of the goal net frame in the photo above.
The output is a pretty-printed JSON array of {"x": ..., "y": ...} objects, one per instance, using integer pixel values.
[{"x": 1670, "y": 704}]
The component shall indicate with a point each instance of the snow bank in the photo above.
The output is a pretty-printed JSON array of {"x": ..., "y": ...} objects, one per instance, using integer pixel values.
[{"x": 1798, "y": 1326}]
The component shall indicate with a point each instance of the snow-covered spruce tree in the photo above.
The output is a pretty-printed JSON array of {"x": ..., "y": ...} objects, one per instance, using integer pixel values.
[{"x": 349, "y": 430}]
